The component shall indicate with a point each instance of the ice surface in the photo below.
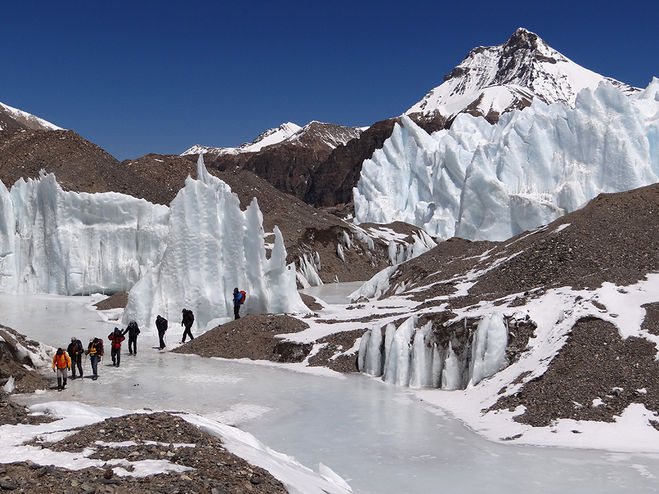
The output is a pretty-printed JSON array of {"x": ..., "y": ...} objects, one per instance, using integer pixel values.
[
  {"x": 379, "y": 438},
  {"x": 482, "y": 181}
]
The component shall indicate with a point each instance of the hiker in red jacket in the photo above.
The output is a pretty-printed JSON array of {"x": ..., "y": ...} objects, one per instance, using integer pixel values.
[{"x": 115, "y": 339}]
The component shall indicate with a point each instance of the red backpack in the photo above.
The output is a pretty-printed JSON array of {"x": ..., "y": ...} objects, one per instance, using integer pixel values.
[{"x": 243, "y": 295}]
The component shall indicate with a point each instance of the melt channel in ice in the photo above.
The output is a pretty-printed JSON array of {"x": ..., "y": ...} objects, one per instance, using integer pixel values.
[
  {"x": 212, "y": 247},
  {"x": 490, "y": 182}
]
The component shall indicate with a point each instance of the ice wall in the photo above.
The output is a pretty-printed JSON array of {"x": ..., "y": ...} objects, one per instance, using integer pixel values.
[
  {"x": 68, "y": 243},
  {"x": 413, "y": 356},
  {"x": 482, "y": 181},
  {"x": 212, "y": 247}
]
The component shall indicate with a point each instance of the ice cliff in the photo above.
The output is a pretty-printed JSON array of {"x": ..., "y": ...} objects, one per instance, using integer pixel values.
[
  {"x": 212, "y": 247},
  {"x": 415, "y": 356},
  {"x": 55, "y": 241},
  {"x": 191, "y": 254},
  {"x": 482, "y": 181}
]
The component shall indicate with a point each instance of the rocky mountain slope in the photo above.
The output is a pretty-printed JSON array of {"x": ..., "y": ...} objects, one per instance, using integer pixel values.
[
  {"x": 13, "y": 119},
  {"x": 290, "y": 159}
]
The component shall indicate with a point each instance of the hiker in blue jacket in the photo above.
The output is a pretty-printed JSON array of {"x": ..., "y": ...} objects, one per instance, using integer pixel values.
[{"x": 237, "y": 297}]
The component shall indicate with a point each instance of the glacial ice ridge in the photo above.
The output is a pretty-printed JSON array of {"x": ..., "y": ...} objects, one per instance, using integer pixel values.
[
  {"x": 490, "y": 182},
  {"x": 191, "y": 254}
]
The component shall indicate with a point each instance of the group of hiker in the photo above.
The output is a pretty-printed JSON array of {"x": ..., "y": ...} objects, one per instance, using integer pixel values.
[{"x": 71, "y": 359}]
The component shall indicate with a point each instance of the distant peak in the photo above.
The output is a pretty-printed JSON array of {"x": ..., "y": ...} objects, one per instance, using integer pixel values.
[
  {"x": 520, "y": 31},
  {"x": 523, "y": 39}
]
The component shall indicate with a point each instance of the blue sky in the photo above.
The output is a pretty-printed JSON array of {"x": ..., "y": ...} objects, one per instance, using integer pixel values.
[{"x": 140, "y": 77}]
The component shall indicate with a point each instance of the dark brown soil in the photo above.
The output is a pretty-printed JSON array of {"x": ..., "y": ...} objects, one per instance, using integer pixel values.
[
  {"x": 213, "y": 469},
  {"x": 651, "y": 321},
  {"x": 116, "y": 301},
  {"x": 612, "y": 239},
  {"x": 14, "y": 364},
  {"x": 594, "y": 363},
  {"x": 310, "y": 302},
  {"x": 336, "y": 344},
  {"x": 13, "y": 414},
  {"x": 252, "y": 337}
]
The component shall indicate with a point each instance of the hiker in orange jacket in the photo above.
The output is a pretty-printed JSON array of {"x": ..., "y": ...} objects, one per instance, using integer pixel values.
[{"x": 61, "y": 363}]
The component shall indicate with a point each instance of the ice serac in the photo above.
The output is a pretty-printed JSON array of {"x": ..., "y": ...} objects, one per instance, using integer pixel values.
[
  {"x": 416, "y": 356},
  {"x": 490, "y": 182},
  {"x": 212, "y": 247},
  {"x": 68, "y": 243},
  {"x": 488, "y": 349}
]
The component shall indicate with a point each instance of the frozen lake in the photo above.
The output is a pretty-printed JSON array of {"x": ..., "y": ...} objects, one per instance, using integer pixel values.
[{"x": 379, "y": 438}]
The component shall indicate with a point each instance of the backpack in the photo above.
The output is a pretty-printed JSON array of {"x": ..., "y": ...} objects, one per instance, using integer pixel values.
[
  {"x": 77, "y": 347},
  {"x": 99, "y": 347},
  {"x": 243, "y": 295}
]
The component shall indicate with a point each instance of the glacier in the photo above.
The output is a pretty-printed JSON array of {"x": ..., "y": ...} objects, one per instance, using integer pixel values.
[
  {"x": 212, "y": 247},
  {"x": 414, "y": 355},
  {"x": 191, "y": 254},
  {"x": 69, "y": 243},
  {"x": 490, "y": 182}
]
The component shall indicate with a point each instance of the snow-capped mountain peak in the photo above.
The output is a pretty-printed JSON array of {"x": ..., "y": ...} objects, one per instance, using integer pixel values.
[
  {"x": 11, "y": 117},
  {"x": 313, "y": 134},
  {"x": 267, "y": 138},
  {"x": 494, "y": 79}
]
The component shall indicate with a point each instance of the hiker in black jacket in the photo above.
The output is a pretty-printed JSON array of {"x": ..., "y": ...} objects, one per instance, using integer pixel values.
[
  {"x": 161, "y": 324},
  {"x": 188, "y": 319},
  {"x": 133, "y": 330},
  {"x": 75, "y": 351}
]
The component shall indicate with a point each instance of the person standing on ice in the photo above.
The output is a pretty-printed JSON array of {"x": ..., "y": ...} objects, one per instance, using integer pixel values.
[
  {"x": 133, "y": 330},
  {"x": 95, "y": 351},
  {"x": 61, "y": 363},
  {"x": 161, "y": 325},
  {"x": 188, "y": 319},
  {"x": 115, "y": 339},
  {"x": 237, "y": 300},
  {"x": 75, "y": 352}
]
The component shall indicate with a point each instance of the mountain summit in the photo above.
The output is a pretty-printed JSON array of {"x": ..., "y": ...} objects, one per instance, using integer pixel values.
[
  {"x": 314, "y": 135},
  {"x": 12, "y": 119},
  {"x": 494, "y": 79}
]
